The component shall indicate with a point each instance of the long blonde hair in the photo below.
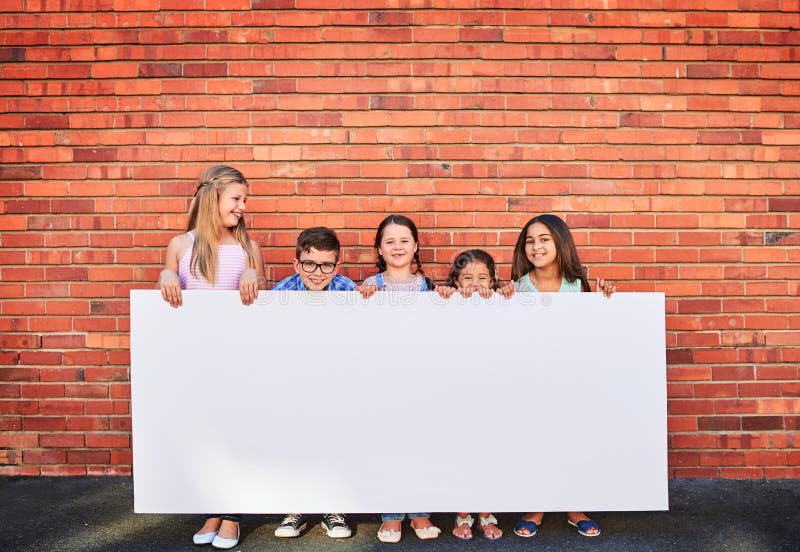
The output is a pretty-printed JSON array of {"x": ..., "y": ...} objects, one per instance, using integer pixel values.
[{"x": 204, "y": 219}]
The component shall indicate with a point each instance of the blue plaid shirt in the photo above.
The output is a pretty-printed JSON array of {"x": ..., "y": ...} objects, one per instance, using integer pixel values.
[{"x": 294, "y": 283}]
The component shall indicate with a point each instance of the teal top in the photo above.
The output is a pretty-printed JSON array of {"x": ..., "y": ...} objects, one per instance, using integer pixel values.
[{"x": 525, "y": 284}]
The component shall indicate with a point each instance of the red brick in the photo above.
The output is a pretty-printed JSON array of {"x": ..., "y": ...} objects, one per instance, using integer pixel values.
[
  {"x": 675, "y": 173},
  {"x": 124, "y": 457},
  {"x": 36, "y": 456},
  {"x": 720, "y": 423},
  {"x": 692, "y": 441},
  {"x": 762, "y": 423},
  {"x": 87, "y": 457},
  {"x": 44, "y": 423},
  {"x": 107, "y": 441},
  {"x": 61, "y": 440},
  {"x": 721, "y": 458},
  {"x": 690, "y": 407},
  {"x": 697, "y": 472},
  {"x": 714, "y": 390},
  {"x": 741, "y": 473},
  {"x": 20, "y": 471},
  {"x": 765, "y": 458},
  {"x": 722, "y": 373},
  {"x": 792, "y": 472}
]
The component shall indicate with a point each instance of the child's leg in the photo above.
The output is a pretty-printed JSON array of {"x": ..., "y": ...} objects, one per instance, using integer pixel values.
[
  {"x": 420, "y": 521},
  {"x": 229, "y": 528},
  {"x": 488, "y": 524},
  {"x": 423, "y": 527},
  {"x": 211, "y": 525},
  {"x": 391, "y": 522},
  {"x": 463, "y": 528},
  {"x": 391, "y": 527}
]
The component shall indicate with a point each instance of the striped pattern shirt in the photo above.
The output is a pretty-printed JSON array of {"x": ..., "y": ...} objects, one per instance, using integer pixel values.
[{"x": 231, "y": 263}]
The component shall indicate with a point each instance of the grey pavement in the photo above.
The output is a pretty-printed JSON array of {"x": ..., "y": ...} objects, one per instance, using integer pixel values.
[{"x": 95, "y": 514}]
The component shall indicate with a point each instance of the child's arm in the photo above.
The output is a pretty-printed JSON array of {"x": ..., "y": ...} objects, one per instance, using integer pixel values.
[
  {"x": 253, "y": 279},
  {"x": 606, "y": 287},
  {"x": 168, "y": 281},
  {"x": 368, "y": 287},
  {"x": 484, "y": 292},
  {"x": 445, "y": 291},
  {"x": 507, "y": 291},
  {"x": 366, "y": 291}
]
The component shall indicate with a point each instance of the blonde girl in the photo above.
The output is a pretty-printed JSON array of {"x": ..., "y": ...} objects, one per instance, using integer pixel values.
[{"x": 215, "y": 253}]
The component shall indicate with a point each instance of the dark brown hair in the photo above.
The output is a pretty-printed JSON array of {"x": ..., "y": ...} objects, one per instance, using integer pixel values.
[
  {"x": 318, "y": 237},
  {"x": 401, "y": 221},
  {"x": 472, "y": 256},
  {"x": 569, "y": 265}
]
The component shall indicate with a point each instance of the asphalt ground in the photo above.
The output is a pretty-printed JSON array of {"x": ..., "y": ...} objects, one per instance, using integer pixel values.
[{"x": 95, "y": 514}]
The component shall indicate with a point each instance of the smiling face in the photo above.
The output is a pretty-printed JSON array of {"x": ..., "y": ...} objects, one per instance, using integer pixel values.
[
  {"x": 316, "y": 280},
  {"x": 475, "y": 275},
  {"x": 232, "y": 202},
  {"x": 540, "y": 249},
  {"x": 397, "y": 246}
]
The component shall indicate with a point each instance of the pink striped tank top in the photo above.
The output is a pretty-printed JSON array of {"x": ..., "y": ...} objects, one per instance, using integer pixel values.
[{"x": 231, "y": 262}]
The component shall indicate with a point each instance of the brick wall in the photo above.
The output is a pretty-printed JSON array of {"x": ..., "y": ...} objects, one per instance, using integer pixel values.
[{"x": 665, "y": 131}]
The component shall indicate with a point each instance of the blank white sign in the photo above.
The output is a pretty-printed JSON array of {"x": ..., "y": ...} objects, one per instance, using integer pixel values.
[{"x": 327, "y": 402}]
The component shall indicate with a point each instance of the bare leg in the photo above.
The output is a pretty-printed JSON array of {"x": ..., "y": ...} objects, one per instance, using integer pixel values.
[
  {"x": 211, "y": 525},
  {"x": 229, "y": 529}
]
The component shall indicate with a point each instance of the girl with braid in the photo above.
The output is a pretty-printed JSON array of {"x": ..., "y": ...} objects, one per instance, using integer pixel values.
[{"x": 397, "y": 246}]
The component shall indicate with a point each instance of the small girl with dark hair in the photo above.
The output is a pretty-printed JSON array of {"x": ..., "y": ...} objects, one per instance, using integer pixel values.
[
  {"x": 397, "y": 246},
  {"x": 546, "y": 260},
  {"x": 474, "y": 271}
]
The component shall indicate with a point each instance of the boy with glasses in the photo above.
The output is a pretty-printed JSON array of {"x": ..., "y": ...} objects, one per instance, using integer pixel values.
[{"x": 315, "y": 263}]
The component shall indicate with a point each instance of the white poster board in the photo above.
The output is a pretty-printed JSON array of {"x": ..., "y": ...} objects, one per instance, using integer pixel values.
[{"x": 326, "y": 402}]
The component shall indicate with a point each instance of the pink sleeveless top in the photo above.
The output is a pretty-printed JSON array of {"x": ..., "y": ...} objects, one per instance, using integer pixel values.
[{"x": 231, "y": 262}]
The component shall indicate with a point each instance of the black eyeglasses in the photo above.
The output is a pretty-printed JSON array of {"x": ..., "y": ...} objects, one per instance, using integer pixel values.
[{"x": 311, "y": 266}]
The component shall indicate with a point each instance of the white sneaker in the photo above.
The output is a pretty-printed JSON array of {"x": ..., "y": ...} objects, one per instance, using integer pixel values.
[
  {"x": 336, "y": 526},
  {"x": 291, "y": 526}
]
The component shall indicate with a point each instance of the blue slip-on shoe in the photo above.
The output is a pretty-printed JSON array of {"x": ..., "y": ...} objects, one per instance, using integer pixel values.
[
  {"x": 584, "y": 525},
  {"x": 525, "y": 524}
]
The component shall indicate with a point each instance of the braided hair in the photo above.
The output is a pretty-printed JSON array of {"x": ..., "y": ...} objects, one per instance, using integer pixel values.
[
  {"x": 400, "y": 220},
  {"x": 205, "y": 221}
]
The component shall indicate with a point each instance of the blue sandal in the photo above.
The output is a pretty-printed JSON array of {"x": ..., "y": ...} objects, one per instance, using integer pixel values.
[
  {"x": 584, "y": 525},
  {"x": 525, "y": 524}
]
